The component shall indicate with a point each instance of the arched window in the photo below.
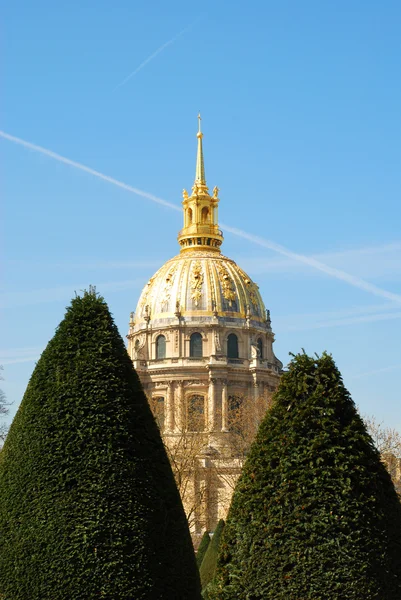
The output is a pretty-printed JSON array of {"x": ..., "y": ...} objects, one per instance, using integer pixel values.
[
  {"x": 205, "y": 214},
  {"x": 260, "y": 347},
  {"x": 158, "y": 410},
  {"x": 195, "y": 345},
  {"x": 232, "y": 346},
  {"x": 196, "y": 413},
  {"x": 189, "y": 216},
  {"x": 161, "y": 346}
]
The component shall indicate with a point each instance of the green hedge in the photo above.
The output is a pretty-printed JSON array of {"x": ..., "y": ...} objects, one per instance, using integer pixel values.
[
  {"x": 203, "y": 546},
  {"x": 315, "y": 514},
  {"x": 88, "y": 503},
  {"x": 209, "y": 563}
]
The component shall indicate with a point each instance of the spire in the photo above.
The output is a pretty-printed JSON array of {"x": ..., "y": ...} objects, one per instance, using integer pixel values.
[
  {"x": 200, "y": 166},
  {"x": 201, "y": 229}
]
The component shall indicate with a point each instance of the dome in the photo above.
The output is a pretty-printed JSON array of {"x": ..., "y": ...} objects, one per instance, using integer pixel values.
[{"x": 200, "y": 284}]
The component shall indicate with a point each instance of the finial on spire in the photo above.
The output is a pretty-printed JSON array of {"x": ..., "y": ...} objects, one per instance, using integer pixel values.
[
  {"x": 199, "y": 134},
  {"x": 200, "y": 178}
]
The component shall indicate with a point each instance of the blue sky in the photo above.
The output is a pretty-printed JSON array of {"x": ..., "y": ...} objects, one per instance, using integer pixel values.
[{"x": 301, "y": 115}]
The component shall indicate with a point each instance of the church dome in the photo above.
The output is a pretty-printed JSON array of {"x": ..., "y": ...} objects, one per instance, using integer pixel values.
[{"x": 200, "y": 284}]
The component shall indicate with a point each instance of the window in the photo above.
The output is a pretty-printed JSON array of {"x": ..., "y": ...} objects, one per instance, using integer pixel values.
[
  {"x": 158, "y": 404},
  {"x": 205, "y": 215},
  {"x": 196, "y": 413},
  {"x": 195, "y": 345},
  {"x": 160, "y": 346},
  {"x": 260, "y": 347},
  {"x": 189, "y": 216},
  {"x": 232, "y": 346}
]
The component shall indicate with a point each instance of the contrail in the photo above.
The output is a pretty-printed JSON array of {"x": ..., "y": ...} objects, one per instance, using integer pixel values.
[
  {"x": 152, "y": 56},
  {"x": 332, "y": 272},
  {"x": 316, "y": 264},
  {"x": 77, "y": 165}
]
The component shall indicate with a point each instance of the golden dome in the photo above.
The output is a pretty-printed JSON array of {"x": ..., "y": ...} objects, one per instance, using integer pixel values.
[{"x": 200, "y": 283}]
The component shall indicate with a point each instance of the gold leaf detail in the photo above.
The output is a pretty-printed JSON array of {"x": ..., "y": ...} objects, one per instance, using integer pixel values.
[
  {"x": 227, "y": 285},
  {"x": 196, "y": 282},
  {"x": 166, "y": 290}
]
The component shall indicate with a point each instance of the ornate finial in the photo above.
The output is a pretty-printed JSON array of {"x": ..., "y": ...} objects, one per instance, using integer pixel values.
[
  {"x": 215, "y": 192},
  {"x": 185, "y": 194},
  {"x": 199, "y": 134},
  {"x": 200, "y": 167}
]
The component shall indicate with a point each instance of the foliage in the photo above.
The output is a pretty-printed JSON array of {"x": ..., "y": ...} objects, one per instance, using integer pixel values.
[
  {"x": 186, "y": 449},
  {"x": 388, "y": 442},
  {"x": 315, "y": 514},
  {"x": 208, "y": 566},
  {"x": 88, "y": 503},
  {"x": 203, "y": 546},
  {"x": 3, "y": 411},
  {"x": 386, "y": 439}
]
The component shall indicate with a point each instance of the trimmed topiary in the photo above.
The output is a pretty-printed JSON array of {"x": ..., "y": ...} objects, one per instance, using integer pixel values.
[
  {"x": 315, "y": 514},
  {"x": 88, "y": 503},
  {"x": 203, "y": 546},
  {"x": 208, "y": 566}
]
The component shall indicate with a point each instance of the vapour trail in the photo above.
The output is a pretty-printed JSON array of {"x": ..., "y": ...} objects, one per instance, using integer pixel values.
[
  {"x": 264, "y": 243},
  {"x": 151, "y": 57},
  {"x": 316, "y": 264},
  {"x": 76, "y": 165}
]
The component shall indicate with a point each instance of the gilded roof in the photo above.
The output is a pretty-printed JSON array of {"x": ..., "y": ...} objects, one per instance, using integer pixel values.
[{"x": 200, "y": 283}]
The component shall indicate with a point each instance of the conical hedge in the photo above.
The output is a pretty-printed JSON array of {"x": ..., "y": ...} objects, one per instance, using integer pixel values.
[
  {"x": 88, "y": 503},
  {"x": 209, "y": 563},
  {"x": 203, "y": 546},
  {"x": 314, "y": 515}
]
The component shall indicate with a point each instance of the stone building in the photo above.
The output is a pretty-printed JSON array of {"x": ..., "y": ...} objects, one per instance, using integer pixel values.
[{"x": 201, "y": 337}]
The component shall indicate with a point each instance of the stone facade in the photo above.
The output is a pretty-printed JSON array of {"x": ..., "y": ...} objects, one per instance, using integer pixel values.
[{"x": 201, "y": 336}]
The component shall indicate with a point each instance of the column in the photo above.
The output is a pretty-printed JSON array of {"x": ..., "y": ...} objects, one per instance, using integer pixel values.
[
  {"x": 224, "y": 407},
  {"x": 255, "y": 387},
  {"x": 179, "y": 409},
  {"x": 211, "y": 404},
  {"x": 169, "y": 407}
]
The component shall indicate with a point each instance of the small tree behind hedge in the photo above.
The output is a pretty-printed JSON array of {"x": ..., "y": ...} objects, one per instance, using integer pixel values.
[
  {"x": 203, "y": 546},
  {"x": 88, "y": 503},
  {"x": 209, "y": 563},
  {"x": 315, "y": 514}
]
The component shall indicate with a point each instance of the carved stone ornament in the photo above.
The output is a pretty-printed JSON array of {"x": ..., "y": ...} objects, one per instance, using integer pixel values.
[
  {"x": 161, "y": 332},
  {"x": 139, "y": 347},
  {"x": 194, "y": 382},
  {"x": 166, "y": 290},
  {"x": 217, "y": 343},
  {"x": 147, "y": 294},
  {"x": 196, "y": 282},
  {"x": 227, "y": 284}
]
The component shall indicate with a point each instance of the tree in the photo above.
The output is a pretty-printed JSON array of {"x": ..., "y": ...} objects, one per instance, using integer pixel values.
[
  {"x": 315, "y": 514},
  {"x": 388, "y": 442},
  {"x": 209, "y": 563},
  {"x": 88, "y": 503},
  {"x": 200, "y": 487},
  {"x": 203, "y": 546},
  {"x": 3, "y": 411}
]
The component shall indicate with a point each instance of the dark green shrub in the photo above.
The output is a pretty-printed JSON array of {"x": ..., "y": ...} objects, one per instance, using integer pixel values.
[
  {"x": 88, "y": 503},
  {"x": 203, "y": 546},
  {"x": 315, "y": 514},
  {"x": 208, "y": 566}
]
